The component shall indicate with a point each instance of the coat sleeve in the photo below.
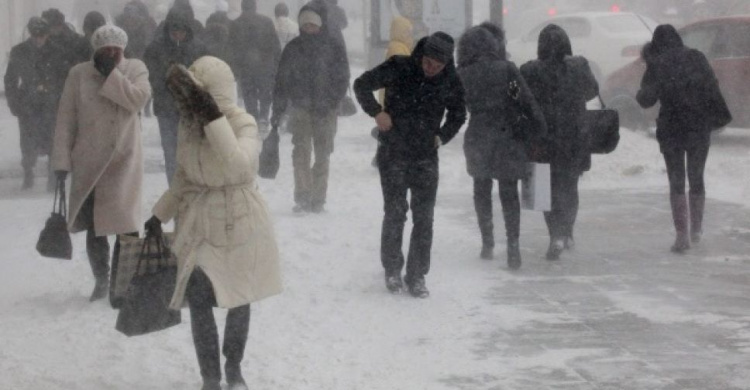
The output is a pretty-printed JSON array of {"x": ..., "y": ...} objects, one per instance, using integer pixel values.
[
  {"x": 66, "y": 127},
  {"x": 531, "y": 107},
  {"x": 648, "y": 95},
  {"x": 239, "y": 151},
  {"x": 11, "y": 79},
  {"x": 281, "y": 88},
  {"x": 382, "y": 76},
  {"x": 129, "y": 92},
  {"x": 456, "y": 107},
  {"x": 590, "y": 86}
]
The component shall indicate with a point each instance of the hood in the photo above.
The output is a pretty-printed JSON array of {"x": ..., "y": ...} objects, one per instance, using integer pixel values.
[
  {"x": 178, "y": 17},
  {"x": 319, "y": 8},
  {"x": 554, "y": 44},
  {"x": 477, "y": 43},
  {"x": 665, "y": 39},
  {"x": 216, "y": 78},
  {"x": 401, "y": 31}
]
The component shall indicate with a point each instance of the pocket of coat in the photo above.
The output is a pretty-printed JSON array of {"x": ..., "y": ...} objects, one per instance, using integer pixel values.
[{"x": 225, "y": 232}]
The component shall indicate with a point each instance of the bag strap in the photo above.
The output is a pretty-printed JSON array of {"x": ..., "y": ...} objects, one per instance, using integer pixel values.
[
  {"x": 60, "y": 206},
  {"x": 147, "y": 251}
]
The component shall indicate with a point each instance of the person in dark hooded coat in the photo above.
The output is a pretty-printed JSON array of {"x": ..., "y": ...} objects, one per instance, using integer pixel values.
[
  {"x": 76, "y": 49},
  {"x": 493, "y": 143},
  {"x": 216, "y": 36},
  {"x": 562, "y": 84},
  {"x": 420, "y": 91},
  {"x": 139, "y": 25},
  {"x": 175, "y": 45},
  {"x": 692, "y": 105}
]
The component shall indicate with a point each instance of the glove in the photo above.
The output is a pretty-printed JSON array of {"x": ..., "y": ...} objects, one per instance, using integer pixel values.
[
  {"x": 104, "y": 63},
  {"x": 204, "y": 106},
  {"x": 198, "y": 102},
  {"x": 61, "y": 175},
  {"x": 153, "y": 226}
]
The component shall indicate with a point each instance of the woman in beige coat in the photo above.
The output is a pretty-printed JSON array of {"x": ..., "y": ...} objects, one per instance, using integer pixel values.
[
  {"x": 225, "y": 244},
  {"x": 98, "y": 140}
]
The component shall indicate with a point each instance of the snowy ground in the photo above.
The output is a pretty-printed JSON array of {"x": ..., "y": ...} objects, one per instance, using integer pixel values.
[{"x": 620, "y": 312}]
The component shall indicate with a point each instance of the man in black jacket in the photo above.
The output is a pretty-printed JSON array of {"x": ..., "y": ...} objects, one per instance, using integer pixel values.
[
  {"x": 313, "y": 75},
  {"x": 256, "y": 48},
  {"x": 175, "y": 45},
  {"x": 419, "y": 90},
  {"x": 33, "y": 84}
]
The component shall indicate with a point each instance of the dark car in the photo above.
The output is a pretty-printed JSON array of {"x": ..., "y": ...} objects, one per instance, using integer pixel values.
[{"x": 726, "y": 44}]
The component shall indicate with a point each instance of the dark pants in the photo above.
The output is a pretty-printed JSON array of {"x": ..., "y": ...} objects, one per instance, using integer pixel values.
[
  {"x": 201, "y": 299},
  {"x": 36, "y": 136},
  {"x": 562, "y": 218},
  {"x": 421, "y": 179},
  {"x": 168, "y": 127},
  {"x": 97, "y": 247},
  {"x": 509, "y": 200},
  {"x": 696, "y": 155},
  {"x": 257, "y": 93}
]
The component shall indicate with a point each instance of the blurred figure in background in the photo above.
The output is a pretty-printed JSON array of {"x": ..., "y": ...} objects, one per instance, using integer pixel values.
[
  {"x": 139, "y": 26},
  {"x": 313, "y": 75},
  {"x": 176, "y": 44},
  {"x": 75, "y": 47},
  {"x": 286, "y": 28},
  {"x": 33, "y": 84},
  {"x": 98, "y": 141},
  {"x": 682, "y": 80},
  {"x": 257, "y": 51},
  {"x": 91, "y": 22},
  {"x": 562, "y": 84},
  {"x": 216, "y": 36},
  {"x": 334, "y": 21}
]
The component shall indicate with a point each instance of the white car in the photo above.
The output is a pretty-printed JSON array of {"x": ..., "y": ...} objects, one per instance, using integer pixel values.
[{"x": 608, "y": 40}]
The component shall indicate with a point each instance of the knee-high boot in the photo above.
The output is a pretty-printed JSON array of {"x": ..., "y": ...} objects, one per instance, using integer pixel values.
[
  {"x": 697, "y": 205},
  {"x": 97, "y": 249},
  {"x": 203, "y": 325},
  {"x": 235, "y": 340},
  {"x": 680, "y": 218},
  {"x": 483, "y": 208},
  {"x": 512, "y": 217}
]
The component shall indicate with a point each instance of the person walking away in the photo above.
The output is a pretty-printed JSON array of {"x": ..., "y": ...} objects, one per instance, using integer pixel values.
[
  {"x": 33, "y": 83},
  {"x": 139, "y": 26},
  {"x": 493, "y": 145},
  {"x": 98, "y": 141},
  {"x": 257, "y": 51},
  {"x": 216, "y": 36},
  {"x": 681, "y": 79},
  {"x": 313, "y": 75},
  {"x": 286, "y": 28},
  {"x": 225, "y": 245},
  {"x": 562, "y": 84},
  {"x": 421, "y": 89},
  {"x": 176, "y": 45}
]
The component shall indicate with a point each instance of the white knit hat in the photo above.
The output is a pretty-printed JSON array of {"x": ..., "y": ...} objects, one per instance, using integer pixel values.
[
  {"x": 309, "y": 16},
  {"x": 109, "y": 36}
]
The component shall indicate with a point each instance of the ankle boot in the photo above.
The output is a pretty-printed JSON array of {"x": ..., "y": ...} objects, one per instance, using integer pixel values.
[
  {"x": 514, "y": 254},
  {"x": 101, "y": 288},
  {"x": 556, "y": 246},
  {"x": 680, "y": 219},
  {"x": 488, "y": 241},
  {"x": 697, "y": 205}
]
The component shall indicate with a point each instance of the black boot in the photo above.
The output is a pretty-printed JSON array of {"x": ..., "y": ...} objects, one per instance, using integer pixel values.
[
  {"x": 211, "y": 384},
  {"x": 556, "y": 246},
  {"x": 235, "y": 340},
  {"x": 483, "y": 208},
  {"x": 514, "y": 255},
  {"x": 101, "y": 288},
  {"x": 28, "y": 179},
  {"x": 97, "y": 249},
  {"x": 680, "y": 219},
  {"x": 201, "y": 300},
  {"x": 697, "y": 204}
]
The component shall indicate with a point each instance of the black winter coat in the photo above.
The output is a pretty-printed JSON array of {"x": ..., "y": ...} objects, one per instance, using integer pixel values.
[
  {"x": 34, "y": 78},
  {"x": 691, "y": 101},
  {"x": 416, "y": 104},
  {"x": 255, "y": 46},
  {"x": 493, "y": 145},
  {"x": 161, "y": 54},
  {"x": 313, "y": 74}
]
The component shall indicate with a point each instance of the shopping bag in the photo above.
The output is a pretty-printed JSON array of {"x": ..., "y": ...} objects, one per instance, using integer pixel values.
[
  {"x": 268, "y": 166},
  {"x": 347, "y": 106},
  {"x": 125, "y": 262},
  {"x": 54, "y": 240},
  {"x": 536, "y": 188},
  {"x": 602, "y": 129},
  {"x": 145, "y": 308}
]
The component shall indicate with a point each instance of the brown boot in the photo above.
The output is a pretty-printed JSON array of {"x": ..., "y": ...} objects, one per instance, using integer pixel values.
[
  {"x": 697, "y": 204},
  {"x": 680, "y": 218}
]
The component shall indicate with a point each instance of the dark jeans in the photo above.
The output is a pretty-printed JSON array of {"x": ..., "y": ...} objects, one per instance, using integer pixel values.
[
  {"x": 562, "y": 218},
  {"x": 36, "y": 136},
  {"x": 510, "y": 202},
  {"x": 421, "y": 179},
  {"x": 257, "y": 94},
  {"x": 168, "y": 127},
  {"x": 201, "y": 299},
  {"x": 696, "y": 155}
]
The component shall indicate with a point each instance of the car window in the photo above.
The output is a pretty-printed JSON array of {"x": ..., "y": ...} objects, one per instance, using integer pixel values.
[
  {"x": 738, "y": 38},
  {"x": 622, "y": 23},
  {"x": 701, "y": 38},
  {"x": 574, "y": 27}
]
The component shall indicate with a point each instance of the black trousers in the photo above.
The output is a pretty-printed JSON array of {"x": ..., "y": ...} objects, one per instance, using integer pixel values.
[
  {"x": 257, "y": 93},
  {"x": 510, "y": 202},
  {"x": 36, "y": 135},
  {"x": 97, "y": 247},
  {"x": 201, "y": 300},
  {"x": 696, "y": 154},
  {"x": 562, "y": 218},
  {"x": 420, "y": 178}
]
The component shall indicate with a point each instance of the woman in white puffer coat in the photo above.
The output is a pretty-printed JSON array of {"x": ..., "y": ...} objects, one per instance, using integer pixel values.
[{"x": 225, "y": 244}]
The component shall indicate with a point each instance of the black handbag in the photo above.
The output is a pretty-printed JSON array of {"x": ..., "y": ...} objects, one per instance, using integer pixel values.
[
  {"x": 54, "y": 240},
  {"x": 268, "y": 165},
  {"x": 524, "y": 128},
  {"x": 602, "y": 129},
  {"x": 347, "y": 106},
  {"x": 145, "y": 308}
]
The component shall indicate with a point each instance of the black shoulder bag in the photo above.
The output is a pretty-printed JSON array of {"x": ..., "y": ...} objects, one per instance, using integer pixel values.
[{"x": 54, "y": 240}]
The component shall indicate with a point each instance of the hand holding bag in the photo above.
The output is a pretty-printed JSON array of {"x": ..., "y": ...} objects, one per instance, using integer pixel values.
[
  {"x": 269, "y": 156},
  {"x": 602, "y": 129},
  {"x": 54, "y": 240},
  {"x": 145, "y": 308},
  {"x": 125, "y": 264},
  {"x": 346, "y": 105}
]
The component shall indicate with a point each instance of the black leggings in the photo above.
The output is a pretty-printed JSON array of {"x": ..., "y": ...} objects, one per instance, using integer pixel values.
[
  {"x": 696, "y": 157},
  {"x": 509, "y": 200}
]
